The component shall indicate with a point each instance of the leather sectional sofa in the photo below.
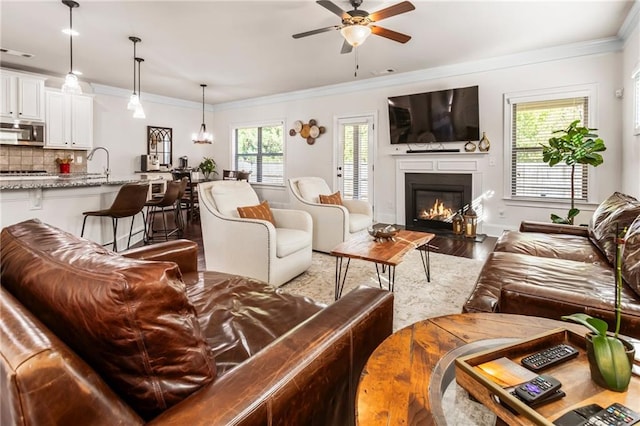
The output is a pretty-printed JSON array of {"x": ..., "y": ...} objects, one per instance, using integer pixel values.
[
  {"x": 94, "y": 337},
  {"x": 551, "y": 270}
]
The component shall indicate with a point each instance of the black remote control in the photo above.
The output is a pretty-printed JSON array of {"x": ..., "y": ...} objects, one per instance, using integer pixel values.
[
  {"x": 613, "y": 415},
  {"x": 548, "y": 357},
  {"x": 553, "y": 396},
  {"x": 539, "y": 388}
]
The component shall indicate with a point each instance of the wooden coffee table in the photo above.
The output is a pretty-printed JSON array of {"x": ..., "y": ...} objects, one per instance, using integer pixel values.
[
  {"x": 404, "y": 380},
  {"x": 385, "y": 254}
]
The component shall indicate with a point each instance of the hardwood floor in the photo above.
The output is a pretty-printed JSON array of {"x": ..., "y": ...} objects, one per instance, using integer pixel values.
[{"x": 460, "y": 247}]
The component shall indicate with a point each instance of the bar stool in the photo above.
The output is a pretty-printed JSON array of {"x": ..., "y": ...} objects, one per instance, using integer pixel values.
[
  {"x": 164, "y": 205},
  {"x": 130, "y": 201}
]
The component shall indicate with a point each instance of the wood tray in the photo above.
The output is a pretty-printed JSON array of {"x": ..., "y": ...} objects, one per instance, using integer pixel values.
[{"x": 573, "y": 374}]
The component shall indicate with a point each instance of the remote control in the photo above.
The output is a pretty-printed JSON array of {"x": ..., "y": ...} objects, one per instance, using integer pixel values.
[
  {"x": 539, "y": 388},
  {"x": 553, "y": 396},
  {"x": 613, "y": 415},
  {"x": 548, "y": 357}
]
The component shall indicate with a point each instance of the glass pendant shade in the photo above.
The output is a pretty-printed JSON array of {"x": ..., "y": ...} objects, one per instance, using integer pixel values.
[
  {"x": 355, "y": 34},
  {"x": 139, "y": 112},
  {"x": 134, "y": 102},
  {"x": 202, "y": 136},
  {"x": 71, "y": 85}
]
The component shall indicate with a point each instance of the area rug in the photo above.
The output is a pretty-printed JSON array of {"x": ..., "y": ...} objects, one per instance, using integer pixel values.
[{"x": 452, "y": 279}]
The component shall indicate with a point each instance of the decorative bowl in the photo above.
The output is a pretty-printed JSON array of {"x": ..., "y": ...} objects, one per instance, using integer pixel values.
[{"x": 382, "y": 233}]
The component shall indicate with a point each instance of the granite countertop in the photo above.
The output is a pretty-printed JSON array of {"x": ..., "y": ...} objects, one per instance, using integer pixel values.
[{"x": 55, "y": 181}]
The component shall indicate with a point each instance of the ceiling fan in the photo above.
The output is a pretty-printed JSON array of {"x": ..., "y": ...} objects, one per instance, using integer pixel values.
[{"x": 357, "y": 25}]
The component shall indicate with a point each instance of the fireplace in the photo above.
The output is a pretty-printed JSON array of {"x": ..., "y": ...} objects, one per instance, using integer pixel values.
[{"x": 432, "y": 199}]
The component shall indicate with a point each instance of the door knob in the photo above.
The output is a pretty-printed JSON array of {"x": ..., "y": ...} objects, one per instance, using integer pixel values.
[{"x": 339, "y": 174}]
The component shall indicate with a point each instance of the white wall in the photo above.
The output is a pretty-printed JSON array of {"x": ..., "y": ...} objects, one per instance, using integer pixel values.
[
  {"x": 603, "y": 70},
  {"x": 630, "y": 142}
]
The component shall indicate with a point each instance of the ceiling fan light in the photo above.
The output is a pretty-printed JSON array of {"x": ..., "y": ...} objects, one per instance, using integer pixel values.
[
  {"x": 139, "y": 112},
  {"x": 71, "y": 85},
  {"x": 355, "y": 34},
  {"x": 134, "y": 101}
]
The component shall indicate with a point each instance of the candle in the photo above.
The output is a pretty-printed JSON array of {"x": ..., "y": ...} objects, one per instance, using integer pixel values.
[{"x": 469, "y": 230}]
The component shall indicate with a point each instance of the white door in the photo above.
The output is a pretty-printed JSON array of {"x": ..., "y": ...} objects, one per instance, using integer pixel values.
[
  {"x": 7, "y": 96},
  {"x": 355, "y": 153}
]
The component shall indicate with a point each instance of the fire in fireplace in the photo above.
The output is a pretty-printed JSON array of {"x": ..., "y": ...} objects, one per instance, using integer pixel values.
[
  {"x": 439, "y": 211},
  {"x": 432, "y": 199}
]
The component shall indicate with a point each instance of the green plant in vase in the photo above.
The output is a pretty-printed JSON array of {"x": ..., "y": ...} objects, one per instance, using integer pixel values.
[
  {"x": 207, "y": 166},
  {"x": 573, "y": 145},
  {"x": 612, "y": 357}
]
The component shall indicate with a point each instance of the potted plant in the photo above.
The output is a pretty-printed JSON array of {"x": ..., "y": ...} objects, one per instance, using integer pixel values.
[
  {"x": 573, "y": 145},
  {"x": 610, "y": 357},
  {"x": 207, "y": 166},
  {"x": 64, "y": 163}
]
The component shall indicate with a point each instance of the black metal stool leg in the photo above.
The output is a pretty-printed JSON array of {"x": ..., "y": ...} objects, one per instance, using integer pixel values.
[
  {"x": 84, "y": 222},
  {"x": 133, "y": 219},
  {"x": 115, "y": 233}
]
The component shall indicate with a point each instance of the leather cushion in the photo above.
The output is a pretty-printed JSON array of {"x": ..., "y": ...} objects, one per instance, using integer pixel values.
[
  {"x": 560, "y": 246},
  {"x": 310, "y": 188},
  {"x": 631, "y": 257},
  {"x": 334, "y": 198},
  {"x": 262, "y": 211},
  {"x": 129, "y": 319},
  {"x": 611, "y": 216}
]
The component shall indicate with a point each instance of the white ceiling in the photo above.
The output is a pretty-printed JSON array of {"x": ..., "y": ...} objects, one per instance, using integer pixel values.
[{"x": 244, "y": 49}]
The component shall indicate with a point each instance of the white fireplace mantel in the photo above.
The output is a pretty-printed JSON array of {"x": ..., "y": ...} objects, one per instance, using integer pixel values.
[{"x": 436, "y": 164}]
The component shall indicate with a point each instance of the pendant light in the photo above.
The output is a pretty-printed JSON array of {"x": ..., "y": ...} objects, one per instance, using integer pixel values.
[
  {"x": 134, "y": 100},
  {"x": 139, "y": 111},
  {"x": 71, "y": 84},
  {"x": 203, "y": 136}
]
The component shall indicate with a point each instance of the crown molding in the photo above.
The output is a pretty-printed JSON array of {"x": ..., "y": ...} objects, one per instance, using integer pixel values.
[
  {"x": 119, "y": 92},
  {"x": 630, "y": 21},
  {"x": 567, "y": 51}
]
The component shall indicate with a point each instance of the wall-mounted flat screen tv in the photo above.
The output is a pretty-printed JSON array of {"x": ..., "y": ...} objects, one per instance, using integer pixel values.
[{"x": 442, "y": 116}]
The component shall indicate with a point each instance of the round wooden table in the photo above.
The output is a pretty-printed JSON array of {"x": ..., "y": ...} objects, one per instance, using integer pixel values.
[{"x": 405, "y": 377}]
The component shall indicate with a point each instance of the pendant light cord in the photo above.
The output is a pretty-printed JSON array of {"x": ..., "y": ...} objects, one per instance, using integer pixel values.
[
  {"x": 134, "y": 68},
  {"x": 71, "y": 39},
  {"x": 203, "y": 86}
]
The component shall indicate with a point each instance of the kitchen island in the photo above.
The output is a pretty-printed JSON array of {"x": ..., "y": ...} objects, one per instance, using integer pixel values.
[{"x": 60, "y": 200}]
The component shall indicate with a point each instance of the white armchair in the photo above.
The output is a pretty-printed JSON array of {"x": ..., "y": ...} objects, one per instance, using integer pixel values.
[
  {"x": 252, "y": 247},
  {"x": 332, "y": 224}
]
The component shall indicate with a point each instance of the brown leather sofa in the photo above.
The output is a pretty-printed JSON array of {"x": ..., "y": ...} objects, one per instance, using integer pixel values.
[
  {"x": 551, "y": 270},
  {"x": 94, "y": 337}
]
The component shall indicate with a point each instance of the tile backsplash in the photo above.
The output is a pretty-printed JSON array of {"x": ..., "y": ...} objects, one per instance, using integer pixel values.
[{"x": 14, "y": 158}]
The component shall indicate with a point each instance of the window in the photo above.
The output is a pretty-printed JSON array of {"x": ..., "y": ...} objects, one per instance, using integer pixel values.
[
  {"x": 260, "y": 149},
  {"x": 532, "y": 120}
]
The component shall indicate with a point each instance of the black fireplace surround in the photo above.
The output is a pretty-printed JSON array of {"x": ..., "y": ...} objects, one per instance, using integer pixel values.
[{"x": 431, "y": 199}]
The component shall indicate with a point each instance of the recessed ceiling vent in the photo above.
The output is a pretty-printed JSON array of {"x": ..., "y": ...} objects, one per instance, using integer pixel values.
[{"x": 15, "y": 53}]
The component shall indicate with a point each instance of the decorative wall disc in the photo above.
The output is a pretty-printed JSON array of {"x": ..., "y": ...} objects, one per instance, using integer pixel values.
[{"x": 310, "y": 131}]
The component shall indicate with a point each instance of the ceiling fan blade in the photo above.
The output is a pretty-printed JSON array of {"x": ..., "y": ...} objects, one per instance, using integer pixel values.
[
  {"x": 332, "y": 7},
  {"x": 396, "y": 9},
  {"x": 390, "y": 34},
  {"x": 318, "y": 31},
  {"x": 346, "y": 47}
]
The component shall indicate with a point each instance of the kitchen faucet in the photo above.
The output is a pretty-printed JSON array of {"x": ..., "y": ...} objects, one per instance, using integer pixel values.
[{"x": 90, "y": 156}]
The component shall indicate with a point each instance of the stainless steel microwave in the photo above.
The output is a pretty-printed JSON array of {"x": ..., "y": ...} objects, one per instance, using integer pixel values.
[{"x": 31, "y": 134}]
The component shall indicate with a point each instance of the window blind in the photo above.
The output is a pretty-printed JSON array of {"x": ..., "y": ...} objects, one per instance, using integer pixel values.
[
  {"x": 636, "y": 111},
  {"x": 533, "y": 124}
]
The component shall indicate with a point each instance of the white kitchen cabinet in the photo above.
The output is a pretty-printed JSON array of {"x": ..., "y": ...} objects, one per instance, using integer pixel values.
[
  {"x": 22, "y": 96},
  {"x": 69, "y": 121}
]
